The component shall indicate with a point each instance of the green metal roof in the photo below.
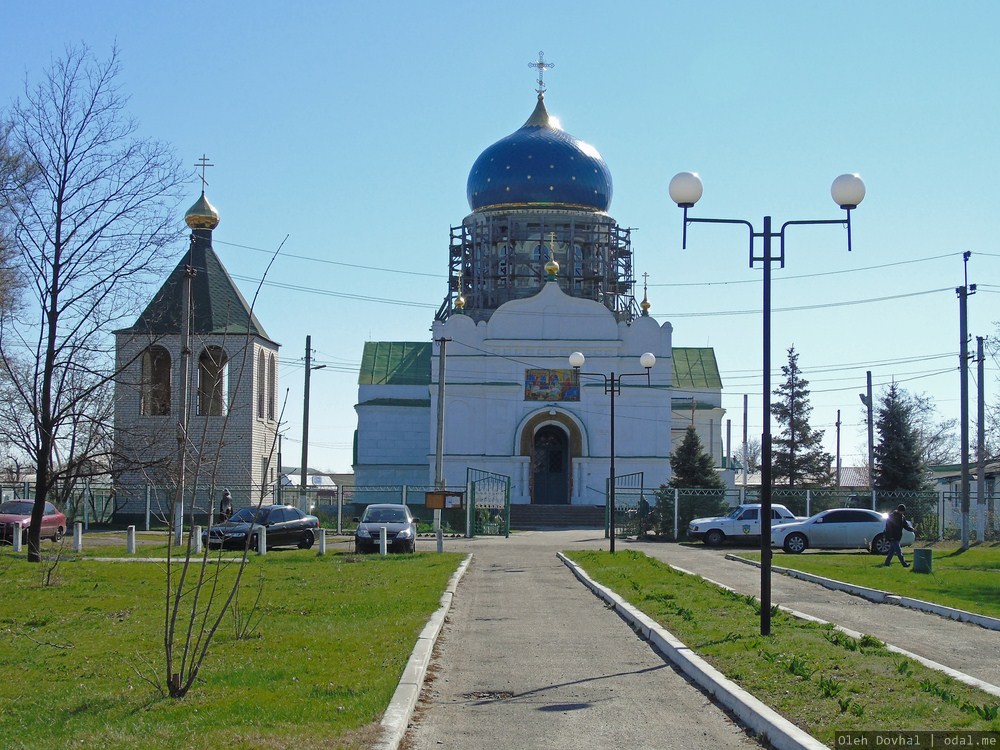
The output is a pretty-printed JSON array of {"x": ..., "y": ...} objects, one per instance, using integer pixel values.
[
  {"x": 409, "y": 363},
  {"x": 218, "y": 307},
  {"x": 395, "y": 363},
  {"x": 696, "y": 368}
]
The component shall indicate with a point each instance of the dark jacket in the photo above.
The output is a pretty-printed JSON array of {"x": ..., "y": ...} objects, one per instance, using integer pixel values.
[{"x": 894, "y": 526}]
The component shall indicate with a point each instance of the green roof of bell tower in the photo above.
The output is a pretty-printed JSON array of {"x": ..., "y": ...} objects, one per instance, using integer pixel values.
[{"x": 218, "y": 307}]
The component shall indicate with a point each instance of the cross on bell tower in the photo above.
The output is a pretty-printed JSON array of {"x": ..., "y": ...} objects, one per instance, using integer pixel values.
[{"x": 203, "y": 164}]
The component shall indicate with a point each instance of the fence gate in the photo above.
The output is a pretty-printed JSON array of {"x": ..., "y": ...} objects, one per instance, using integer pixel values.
[
  {"x": 489, "y": 503},
  {"x": 631, "y": 505}
]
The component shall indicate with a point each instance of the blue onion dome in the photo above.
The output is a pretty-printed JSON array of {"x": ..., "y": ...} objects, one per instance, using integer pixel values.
[{"x": 540, "y": 166}]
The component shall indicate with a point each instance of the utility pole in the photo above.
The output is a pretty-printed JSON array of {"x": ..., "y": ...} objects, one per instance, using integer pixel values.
[
  {"x": 838, "y": 447},
  {"x": 303, "y": 494},
  {"x": 963, "y": 293},
  {"x": 746, "y": 447},
  {"x": 866, "y": 399},
  {"x": 439, "y": 447},
  {"x": 980, "y": 443},
  {"x": 729, "y": 444}
]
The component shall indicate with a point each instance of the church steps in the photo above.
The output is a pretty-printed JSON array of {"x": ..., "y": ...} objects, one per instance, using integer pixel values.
[{"x": 535, "y": 517}]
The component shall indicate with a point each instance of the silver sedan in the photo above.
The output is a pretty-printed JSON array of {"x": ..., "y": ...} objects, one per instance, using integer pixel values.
[{"x": 838, "y": 528}]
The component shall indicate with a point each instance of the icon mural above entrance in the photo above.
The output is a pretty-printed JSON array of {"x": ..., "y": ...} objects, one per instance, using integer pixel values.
[{"x": 551, "y": 385}]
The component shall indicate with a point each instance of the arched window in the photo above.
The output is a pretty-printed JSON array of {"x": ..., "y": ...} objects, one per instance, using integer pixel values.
[
  {"x": 272, "y": 386},
  {"x": 155, "y": 387},
  {"x": 213, "y": 381},
  {"x": 261, "y": 384}
]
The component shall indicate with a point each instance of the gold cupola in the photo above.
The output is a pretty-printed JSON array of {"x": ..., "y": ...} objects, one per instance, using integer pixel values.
[{"x": 202, "y": 215}]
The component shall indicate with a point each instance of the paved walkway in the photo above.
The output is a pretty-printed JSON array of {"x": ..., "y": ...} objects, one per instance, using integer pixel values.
[{"x": 530, "y": 658}]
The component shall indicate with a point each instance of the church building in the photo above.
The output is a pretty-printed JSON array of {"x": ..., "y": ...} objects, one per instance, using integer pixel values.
[
  {"x": 196, "y": 350},
  {"x": 537, "y": 271}
]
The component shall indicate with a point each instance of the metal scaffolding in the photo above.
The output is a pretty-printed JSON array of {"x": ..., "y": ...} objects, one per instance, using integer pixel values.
[{"x": 498, "y": 256}]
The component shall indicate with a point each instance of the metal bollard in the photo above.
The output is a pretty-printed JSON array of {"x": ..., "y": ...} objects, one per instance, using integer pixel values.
[
  {"x": 16, "y": 536},
  {"x": 322, "y": 541},
  {"x": 262, "y": 541},
  {"x": 197, "y": 540},
  {"x": 383, "y": 540},
  {"x": 130, "y": 540},
  {"x": 78, "y": 537}
]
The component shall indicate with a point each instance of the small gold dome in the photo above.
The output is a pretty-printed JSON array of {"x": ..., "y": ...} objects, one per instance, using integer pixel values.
[
  {"x": 645, "y": 305},
  {"x": 460, "y": 302},
  {"x": 552, "y": 269},
  {"x": 202, "y": 215}
]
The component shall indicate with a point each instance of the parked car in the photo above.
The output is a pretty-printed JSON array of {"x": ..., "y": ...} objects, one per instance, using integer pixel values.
[
  {"x": 399, "y": 524},
  {"x": 286, "y": 526},
  {"x": 741, "y": 523},
  {"x": 16, "y": 515},
  {"x": 837, "y": 528}
]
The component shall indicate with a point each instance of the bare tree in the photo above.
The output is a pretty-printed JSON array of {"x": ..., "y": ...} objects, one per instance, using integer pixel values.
[
  {"x": 749, "y": 455},
  {"x": 88, "y": 233},
  {"x": 937, "y": 438}
]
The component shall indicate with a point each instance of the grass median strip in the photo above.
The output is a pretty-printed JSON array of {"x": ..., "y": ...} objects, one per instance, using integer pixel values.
[
  {"x": 964, "y": 579},
  {"x": 319, "y": 670},
  {"x": 814, "y": 675}
]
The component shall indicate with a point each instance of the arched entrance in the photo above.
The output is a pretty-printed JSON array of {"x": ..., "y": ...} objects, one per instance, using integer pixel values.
[{"x": 550, "y": 466}]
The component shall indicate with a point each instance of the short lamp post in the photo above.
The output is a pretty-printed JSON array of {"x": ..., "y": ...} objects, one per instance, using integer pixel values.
[
  {"x": 848, "y": 191},
  {"x": 612, "y": 387}
]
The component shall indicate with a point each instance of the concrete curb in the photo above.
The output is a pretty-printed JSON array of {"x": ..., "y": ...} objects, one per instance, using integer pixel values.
[
  {"x": 882, "y": 597},
  {"x": 397, "y": 716},
  {"x": 763, "y": 720}
]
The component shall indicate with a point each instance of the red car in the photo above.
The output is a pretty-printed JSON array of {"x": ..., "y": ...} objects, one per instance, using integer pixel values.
[{"x": 16, "y": 514}]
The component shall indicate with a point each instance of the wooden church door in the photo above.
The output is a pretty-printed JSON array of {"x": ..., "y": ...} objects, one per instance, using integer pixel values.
[{"x": 550, "y": 467}]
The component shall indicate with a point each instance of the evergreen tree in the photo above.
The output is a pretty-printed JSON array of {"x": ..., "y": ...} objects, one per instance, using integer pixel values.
[
  {"x": 797, "y": 454},
  {"x": 692, "y": 467},
  {"x": 898, "y": 464}
]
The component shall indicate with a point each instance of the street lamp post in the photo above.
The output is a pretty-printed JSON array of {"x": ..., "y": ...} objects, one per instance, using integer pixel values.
[
  {"x": 612, "y": 387},
  {"x": 848, "y": 191}
]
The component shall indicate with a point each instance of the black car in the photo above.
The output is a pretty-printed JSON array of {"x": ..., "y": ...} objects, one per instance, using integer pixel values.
[
  {"x": 286, "y": 526},
  {"x": 399, "y": 524}
]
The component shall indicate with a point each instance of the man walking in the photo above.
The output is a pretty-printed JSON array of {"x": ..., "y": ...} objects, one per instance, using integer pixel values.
[{"x": 894, "y": 526}]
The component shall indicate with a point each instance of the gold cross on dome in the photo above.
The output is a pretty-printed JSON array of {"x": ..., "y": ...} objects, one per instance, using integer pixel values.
[
  {"x": 203, "y": 163},
  {"x": 542, "y": 67}
]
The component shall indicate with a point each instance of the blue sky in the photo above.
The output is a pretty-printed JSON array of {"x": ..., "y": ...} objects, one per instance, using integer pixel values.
[{"x": 351, "y": 128}]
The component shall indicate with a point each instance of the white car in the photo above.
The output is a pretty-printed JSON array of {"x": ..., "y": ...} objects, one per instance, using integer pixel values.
[
  {"x": 742, "y": 522},
  {"x": 838, "y": 528}
]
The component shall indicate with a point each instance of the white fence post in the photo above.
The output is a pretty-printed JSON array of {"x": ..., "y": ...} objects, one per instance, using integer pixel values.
[
  {"x": 197, "y": 539},
  {"x": 322, "y": 540},
  {"x": 262, "y": 541},
  {"x": 78, "y": 537},
  {"x": 130, "y": 540},
  {"x": 382, "y": 541},
  {"x": 340, "y": 510},
  {"x": 677, "y": 509},
  {"x": 16, "y": 532},
  {"x": 808, "y": 503}
]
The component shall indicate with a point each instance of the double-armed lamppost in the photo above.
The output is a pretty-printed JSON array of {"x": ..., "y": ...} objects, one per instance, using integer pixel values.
[
  {"x": 612, "y": 387},
  {"x": 848, "y": 191}
]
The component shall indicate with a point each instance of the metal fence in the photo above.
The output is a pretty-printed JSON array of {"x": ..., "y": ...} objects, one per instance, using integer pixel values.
[{"x": 663, "y": 511}]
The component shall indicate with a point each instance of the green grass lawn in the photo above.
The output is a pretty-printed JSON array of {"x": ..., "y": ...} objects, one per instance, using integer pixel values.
[
  {"x": 968, "y": 580},
  {"x": 319, "y": 670},
  {"x": 815, "y": 676}
]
